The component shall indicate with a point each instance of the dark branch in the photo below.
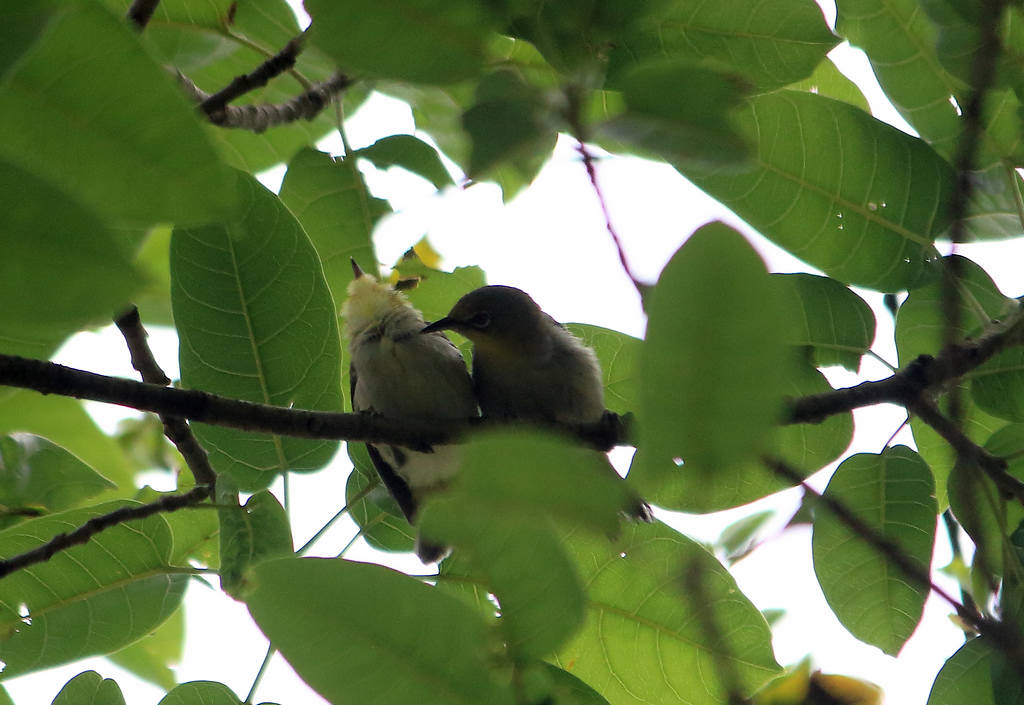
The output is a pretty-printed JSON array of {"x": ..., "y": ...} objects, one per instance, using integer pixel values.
[
  {"x": 175, "y": 428},
  {"x": 259, "y": 117},
  {"x": 82, "y": 534},
  {"x": 141, "y": 12},
  {"x": 926, "y": 373},
  {"x": 282, "y": 61}
]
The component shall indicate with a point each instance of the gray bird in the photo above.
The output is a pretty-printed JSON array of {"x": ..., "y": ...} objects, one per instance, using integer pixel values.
[
  {"x": 526, "y": 365},
  {"x": 398, "y": 373}
]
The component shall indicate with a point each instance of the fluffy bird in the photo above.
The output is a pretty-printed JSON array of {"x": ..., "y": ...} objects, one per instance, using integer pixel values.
[
  {"x": 399, "y": 373},
  {"x": 526, "y": 365}
]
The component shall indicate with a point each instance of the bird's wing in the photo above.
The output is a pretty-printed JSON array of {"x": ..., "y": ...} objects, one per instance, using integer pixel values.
[{"x": 396, "y": 486}]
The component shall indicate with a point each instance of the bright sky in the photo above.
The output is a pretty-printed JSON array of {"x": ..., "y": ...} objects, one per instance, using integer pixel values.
[{"x": 551, "y": 242}]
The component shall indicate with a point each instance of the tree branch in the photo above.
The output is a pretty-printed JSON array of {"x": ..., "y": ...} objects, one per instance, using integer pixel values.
[
  {"x": 259, "y": 117},
  {"x": 926, "y": 373},
  {"x": 82, "y": 534},
  {"x": 175, "y": 428},
  {"x": 213, "y": 105}
]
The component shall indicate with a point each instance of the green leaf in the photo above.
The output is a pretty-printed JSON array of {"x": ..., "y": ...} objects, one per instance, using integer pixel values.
[
  {"x": 36, "y": 475},
  {"x": 662, "y": 118},
  {"x": 920, "y": 323},
  {"x": 866, "y": 215},
  {"x": 693, "y": 488},
  {"x": 643, "y": 614},
  {"x": 392, "y": 639},
  {"x": 965, "y": 679},
  {"x": 508, "y": 124},
  {"x": 62, "y": 269},
  {"x": 151, "y": 657},
  {"x": 836, "y": 324},
  {"x": 770, "y": 44},
  {"x": 894, "y": 495},
  {"x": 409, "y": 153},
  {"x": 95, "y": 138},
  {"x": 737, "y": 539},
  {"x": 528, "y": 474},
  {"x": 567, "y": 689},
  {"x": 329, "y": 198},
  {"x": 997, "y": 387},
  {"x": 256, "y": 321},
  {"x": 900, "y": 43},
  {"x": 704, "y": 397},
  {"x": 99, "y": 597},
  {"x": 64, "y": 421},
  {"x": 829, "y": 81},
  {"x": 89, "y": 688},
  {"x": 201, "y": 693},
  {"x": 248, "y": 535},
  {"x": 422, "y": 41},
  {"x": 20, "y": 27},
  {"x": 619, "y": 355},
  {"x": 526, "y": 567},
  {"x": 919, "y": 331},
  {"x": 979, "y": 507}
]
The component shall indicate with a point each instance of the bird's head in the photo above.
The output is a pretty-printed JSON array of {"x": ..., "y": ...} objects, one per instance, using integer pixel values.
[
  {"x": 369, "y": 302},
  {"x": 498, "y": 317}
]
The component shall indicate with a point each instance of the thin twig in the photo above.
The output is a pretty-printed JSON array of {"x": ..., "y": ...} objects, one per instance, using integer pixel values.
[
  {"x": 141, "y": 12},
  {"x": 175, "y": 427},
  {"x": 240, "y": 85},
  {"x": 573, "y": 116},
  {"x": 259, "y": 117},
  {"x": 64, "y": 541},
  {"x": 967, "y": 450}
]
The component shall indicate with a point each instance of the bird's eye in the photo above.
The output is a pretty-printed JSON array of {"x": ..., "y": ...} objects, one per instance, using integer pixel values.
[{"x": 480, "y": 320}]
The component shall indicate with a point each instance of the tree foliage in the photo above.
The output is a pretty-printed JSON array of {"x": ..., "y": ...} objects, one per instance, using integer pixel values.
[{"x": 128, "y": 162}]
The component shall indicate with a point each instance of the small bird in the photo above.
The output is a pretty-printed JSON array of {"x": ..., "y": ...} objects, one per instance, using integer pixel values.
[
  {"x": 398, "y": 373},
  {"x": 526, "y": 365}
]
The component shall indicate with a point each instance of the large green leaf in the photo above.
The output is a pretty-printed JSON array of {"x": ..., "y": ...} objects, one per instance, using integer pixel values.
[
  {"x": 997, "y": 387},
  {"x": 715, "y": 363},
  {"x": 329, "y": 197},
  {"x": 361, "y": 633},
  {"x": 62, "y": 268},
  {"x": 894, "y": 495},
  {"x": 249, "y": 534},
  {"x": 809, "y": 447},
  {"x": 36, "y": 475},
  {"x": 201, "y": 693},
  {"x": 90, "y": 599},
  {"x": 837, "y": 325},
  {"x": 409, "y": 153},
  {"x": 65, "y": 421},
  {"x": 649, "y": 637},
  {"x": 256, "y": 321},
  {"x": 129, "y": 145},
  {"x": 89, "y": 688},
  {"x": 900, "y": 43},
  {"x": 151, "y": 657},
  {"x": 966, "y": 677},
  {"x": 619, "y": 355},
  {"x": 661, "y": 116},
  {"x": 769, "y": 44},
  {"x": 844, "y": 192},
  {"x": 425, "y": 41}
]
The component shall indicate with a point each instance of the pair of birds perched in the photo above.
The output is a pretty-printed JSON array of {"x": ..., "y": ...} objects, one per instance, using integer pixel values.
[{"x": 526, "y": 367}]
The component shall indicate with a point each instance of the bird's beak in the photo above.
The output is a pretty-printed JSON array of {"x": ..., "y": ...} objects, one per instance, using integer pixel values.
[
  {"x": 440, "y": 324},
  {"x": 355, "y": 268}
]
